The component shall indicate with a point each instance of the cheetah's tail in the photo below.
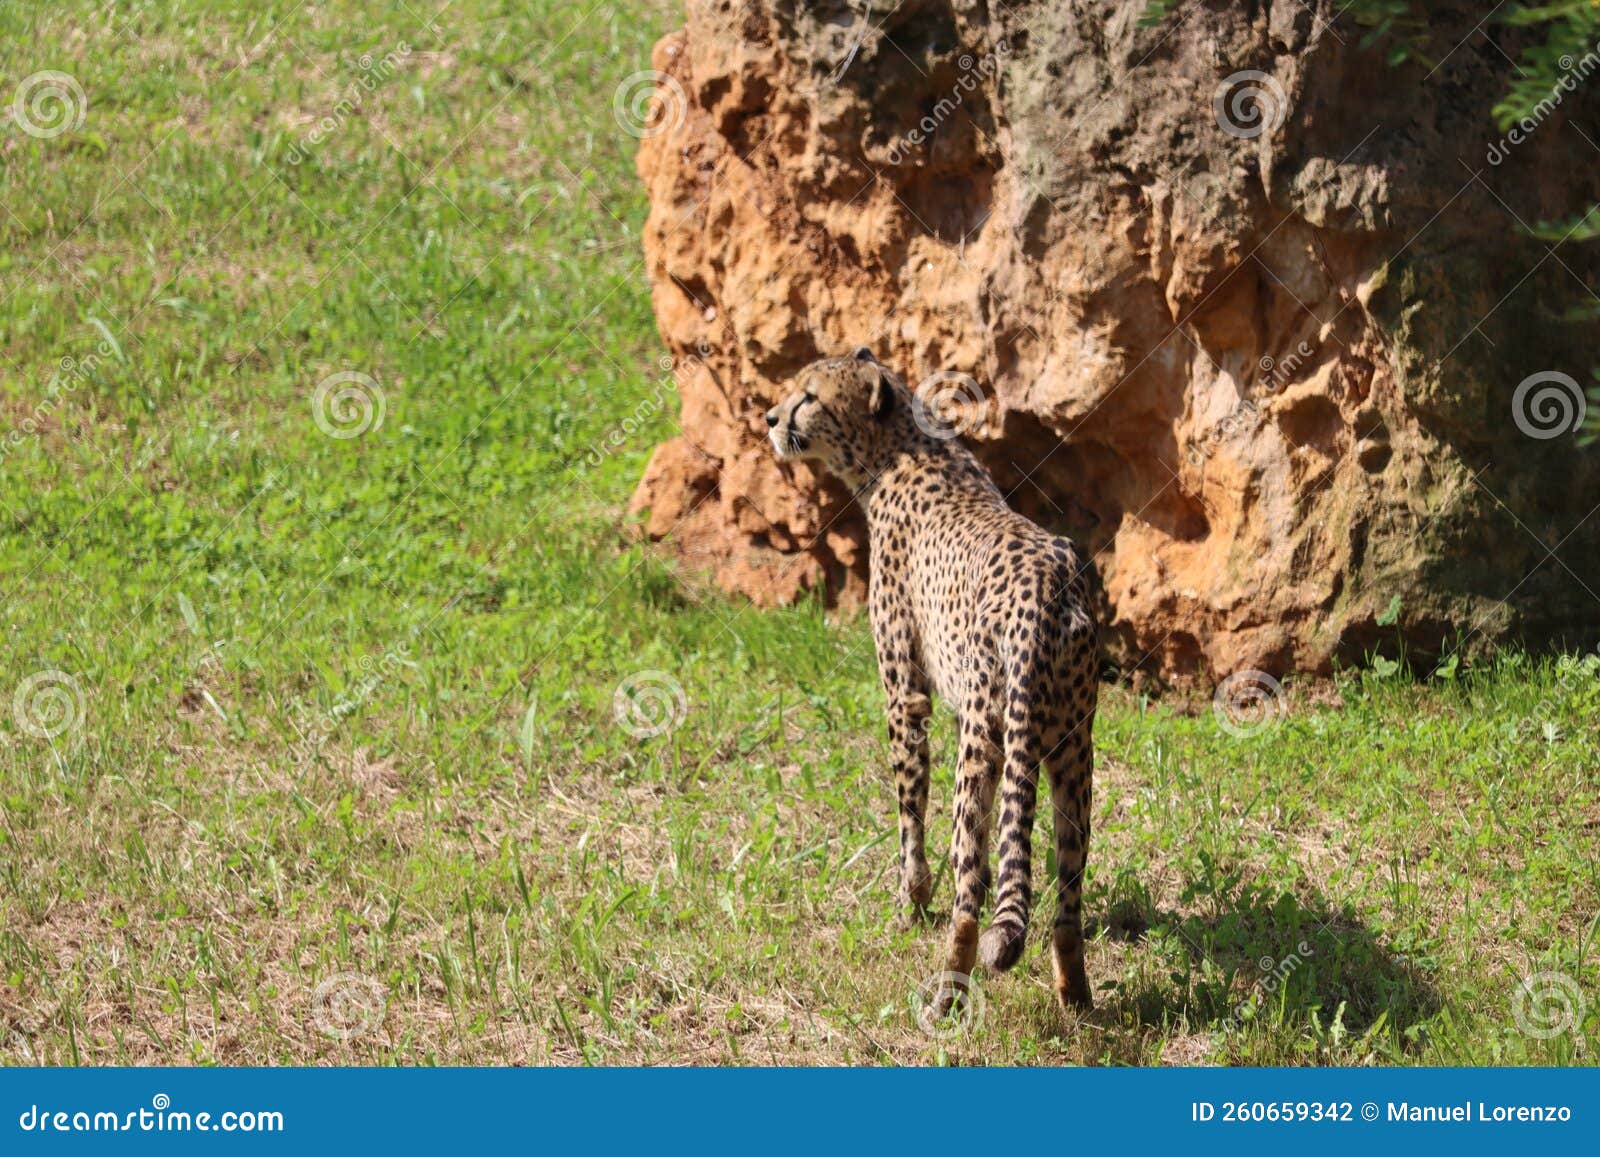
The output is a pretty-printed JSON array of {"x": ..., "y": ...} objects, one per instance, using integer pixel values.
[{"x": 1002, "y": 942}]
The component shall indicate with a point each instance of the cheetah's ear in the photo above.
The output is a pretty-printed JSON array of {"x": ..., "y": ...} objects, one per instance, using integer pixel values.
[
  {"x": 863, "y": 354},
  {"x": 880, "y": 401}
]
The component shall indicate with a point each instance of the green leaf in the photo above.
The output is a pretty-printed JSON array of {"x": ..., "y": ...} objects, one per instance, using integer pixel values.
[
  {"x": 528, "y": 731},
  {"x": 192, "y": 620},
  {"x": 110, "y": 339}
]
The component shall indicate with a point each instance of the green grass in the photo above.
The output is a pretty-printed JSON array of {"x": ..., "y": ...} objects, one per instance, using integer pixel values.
[{"x": 337, "y": 715}]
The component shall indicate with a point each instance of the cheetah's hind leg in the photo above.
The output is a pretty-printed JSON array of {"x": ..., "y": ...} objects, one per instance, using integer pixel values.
[
  {"x": 975, "y": 785},
  {"x": 909, "y": 713},
  {"x": 1071, "y": 769},
  {"x": 1001, "y": 945}
]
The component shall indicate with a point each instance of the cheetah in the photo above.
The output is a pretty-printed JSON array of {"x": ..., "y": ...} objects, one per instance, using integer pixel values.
[{"x": 972, "y": 602}]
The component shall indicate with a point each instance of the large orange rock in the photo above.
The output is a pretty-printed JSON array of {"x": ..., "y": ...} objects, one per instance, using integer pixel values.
[{"x": 1246, "y": 309}]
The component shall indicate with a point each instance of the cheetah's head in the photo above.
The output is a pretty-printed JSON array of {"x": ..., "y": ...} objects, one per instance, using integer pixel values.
[{"x": 840, "y": 414}]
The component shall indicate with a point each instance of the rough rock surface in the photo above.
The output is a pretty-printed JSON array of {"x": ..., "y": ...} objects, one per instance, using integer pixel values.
[{"x": 1258, "y": 354}]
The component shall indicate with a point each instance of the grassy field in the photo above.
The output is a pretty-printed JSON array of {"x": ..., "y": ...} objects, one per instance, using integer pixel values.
[{"x": 317, "y": 604}]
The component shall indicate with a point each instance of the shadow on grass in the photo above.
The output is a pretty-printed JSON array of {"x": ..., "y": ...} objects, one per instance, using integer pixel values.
[{"x": 1288, "y": 964}]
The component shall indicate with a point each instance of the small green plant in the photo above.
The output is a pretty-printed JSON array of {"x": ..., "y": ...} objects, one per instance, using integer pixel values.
[
  {"x": 1562, "y": 61},
  {"x": 1157, "y": 11}
]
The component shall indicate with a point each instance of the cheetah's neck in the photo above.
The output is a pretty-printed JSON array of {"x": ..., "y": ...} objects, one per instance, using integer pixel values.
[{"x": 925, "y": 476}]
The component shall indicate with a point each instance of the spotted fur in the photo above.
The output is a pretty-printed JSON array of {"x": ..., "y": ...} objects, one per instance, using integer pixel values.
[{"x": 972, "y": 602}]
